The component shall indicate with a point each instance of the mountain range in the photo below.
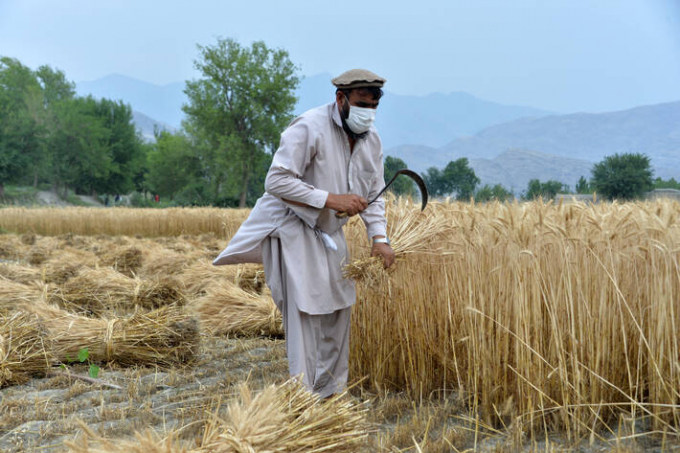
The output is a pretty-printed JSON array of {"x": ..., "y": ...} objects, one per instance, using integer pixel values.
[{"x": 504, "y": 144}]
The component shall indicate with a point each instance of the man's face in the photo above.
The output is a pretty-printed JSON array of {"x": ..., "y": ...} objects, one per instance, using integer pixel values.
[{"x": 357, "y": 98}]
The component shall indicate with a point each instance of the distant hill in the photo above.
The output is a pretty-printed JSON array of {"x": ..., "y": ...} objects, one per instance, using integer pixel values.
[
  {"x": 146, "y": 125},
  {"x": 164, "y": 103},
  {"x": 516, "y": 167},
  {"x": 653, "y": 130},
  {"x": 431, "y": 120}
]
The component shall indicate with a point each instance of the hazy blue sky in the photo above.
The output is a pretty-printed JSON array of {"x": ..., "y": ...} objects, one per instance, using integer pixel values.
[{"x": 563, "y": 55}]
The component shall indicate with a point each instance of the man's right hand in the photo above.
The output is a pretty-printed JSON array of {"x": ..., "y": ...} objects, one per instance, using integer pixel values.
[{"x": 351, "y": 204}]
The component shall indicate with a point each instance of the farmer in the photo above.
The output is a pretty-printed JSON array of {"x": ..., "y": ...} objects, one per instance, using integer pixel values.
[{"x": 329, "y": 161}]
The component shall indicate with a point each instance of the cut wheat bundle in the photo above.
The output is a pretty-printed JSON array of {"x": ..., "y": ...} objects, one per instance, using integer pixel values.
[
  {"x": 410, "y": 232},
  {"x": 165, "y": 336},
  {"x": 66, "y": 264},
  {"x": 14, "y": 294},
  {"x": 201, "y": 275},
  {"x": 25, "y": 349},
  {"x": 104, "y": 290},
  {"x": 19, "y": 273},
  {"x": 287, "y": 418},
  {"x": 146, "y": 442},
  {"x": 227, "y": 309},
  {"x": 250, "y": 277},
  {"x": 126, "y": 260},
  {"x": 160, "y": 261}
]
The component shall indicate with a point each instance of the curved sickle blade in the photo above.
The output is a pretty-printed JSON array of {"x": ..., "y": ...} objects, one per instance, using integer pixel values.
[{"x": 415, "y": 177}]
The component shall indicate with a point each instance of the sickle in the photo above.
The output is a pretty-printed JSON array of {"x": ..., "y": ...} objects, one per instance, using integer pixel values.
[{"x": 411, "y": 174}]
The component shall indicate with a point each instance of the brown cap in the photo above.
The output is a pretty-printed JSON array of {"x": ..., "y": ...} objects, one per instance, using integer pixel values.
[{"x": 358, "y": 78}]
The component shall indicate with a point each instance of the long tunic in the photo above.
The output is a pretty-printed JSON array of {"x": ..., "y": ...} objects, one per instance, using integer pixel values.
[{"x": 313, "y": 159}]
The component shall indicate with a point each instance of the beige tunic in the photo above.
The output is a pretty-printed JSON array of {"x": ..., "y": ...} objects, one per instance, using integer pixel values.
[{"x": 313, "y": 159}]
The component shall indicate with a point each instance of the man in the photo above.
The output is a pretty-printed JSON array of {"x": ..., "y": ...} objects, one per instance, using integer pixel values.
[{"x": 329, "y": 162}]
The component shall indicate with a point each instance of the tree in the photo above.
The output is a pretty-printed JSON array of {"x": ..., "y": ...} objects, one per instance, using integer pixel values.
[
  {"x": 402, "y": 185},
  {"x": 666, "y": 184},
  {"x": 434, "y": 182},
  {"x": 172, "y": 165},
  {"x": 19, "y": 132},
  {"x": 546, "y": 190},
  {"x": 582, "y": 186},
  {"x": 488, "y": 193},
  {"x": 238, "y": 108},
  {"x": 82, "y": 158},
  {"x": 624, "y": 176},
  {"x": 460, "y": 179}
]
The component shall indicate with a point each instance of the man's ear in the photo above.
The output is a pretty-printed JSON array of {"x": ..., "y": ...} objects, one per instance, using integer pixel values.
[{"x": 340, "y": 98}]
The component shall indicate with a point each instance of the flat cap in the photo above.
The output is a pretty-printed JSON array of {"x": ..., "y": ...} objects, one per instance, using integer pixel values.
[{"x": 358, "y": 78}]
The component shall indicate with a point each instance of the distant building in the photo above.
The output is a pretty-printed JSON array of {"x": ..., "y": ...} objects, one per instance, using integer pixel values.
[
  {"x": 589, "y": 198},
  {"x": 662, "y": 193}
]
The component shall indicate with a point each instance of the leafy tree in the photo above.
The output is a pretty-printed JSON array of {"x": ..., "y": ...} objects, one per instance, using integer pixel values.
[
  {"x": 19, "y": 131},
  {"x": 402, "y": 185},
  {"x": 460, "y": 179},
  {"x": 666, "y": 184},
  {"x": 582, "y": 186},
  {"x": 546, "y": 190},
  {"x": 238, "y": 108},
  {"x": 123, "y": 146},
  {"x": 55, "y": 89},
  {"x": 625, "y": 176},
  {"x": 456, "y": 178},
  {"x": 434, "y": 181},
  {"x": 497, "y": 192},
  {"x": 80, "y": 144},
  {"x": 172, "y": 165}
]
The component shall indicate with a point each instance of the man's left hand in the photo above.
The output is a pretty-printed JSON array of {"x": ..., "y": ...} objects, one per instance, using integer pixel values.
[{"x": 385, "y": 251}]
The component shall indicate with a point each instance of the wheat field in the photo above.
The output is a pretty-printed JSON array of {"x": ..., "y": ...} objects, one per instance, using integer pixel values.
[{"x": 544, "y": 317}]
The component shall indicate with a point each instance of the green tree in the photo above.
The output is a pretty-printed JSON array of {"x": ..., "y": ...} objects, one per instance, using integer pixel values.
[
  {"x": 546, "y": 190},
  {"x": 435, "y": 182},
  {"x": 582, "y": 186},
  {"x": 172, "y": 165},
  {"x": 123, "y": 146},
  {"x": 624, "y": 176},
  {"x": 55, "y": 89},
  {"x": 496, "y": 192},
  {"x": 19, "y": 131},
  {"x": 402, "y": 185},
  {"x": 80, "y": 141},
  {"x": 459, "y": 179},
  {"x": 666, "y": 184},
  {"x": 238, "y": 108}
]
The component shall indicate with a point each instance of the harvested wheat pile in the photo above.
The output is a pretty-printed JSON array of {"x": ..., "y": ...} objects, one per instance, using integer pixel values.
[
  {"x": 250, "y": 277},
  {"x": 13, "y": 294},
  {"x": 410, "y": 232},
  {"x": 227, "y": 309},
  {"x": 10, "y": 247},
  {"x": 19, "y": 273},
  {"x": 147, "y": 442},
  {"x": 166, "y": 336},
  {"x": 66, "y": 264},
  {"x": 201, "y": 275},
  {"x": 284, "y": 418},
  {"x": 166, "y": 262},
  {"x": 126, "y": 260},
  {"x": 287, "y": 418},
  {"x": 102, "y": 291},
  {"x": 25, "y": 350}
]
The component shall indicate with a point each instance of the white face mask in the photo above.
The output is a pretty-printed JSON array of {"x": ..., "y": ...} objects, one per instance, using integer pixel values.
[{"x": 360, "y": 119}]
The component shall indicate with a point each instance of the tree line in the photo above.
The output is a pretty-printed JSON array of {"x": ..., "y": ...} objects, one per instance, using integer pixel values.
[{"x": 234, "y": 114}]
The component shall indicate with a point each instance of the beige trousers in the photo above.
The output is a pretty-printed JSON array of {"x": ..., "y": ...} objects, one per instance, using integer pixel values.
[{"x": 317, "y": 345}]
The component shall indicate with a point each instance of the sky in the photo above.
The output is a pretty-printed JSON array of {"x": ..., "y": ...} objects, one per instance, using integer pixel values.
[{"x": 559, "y": 55}]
